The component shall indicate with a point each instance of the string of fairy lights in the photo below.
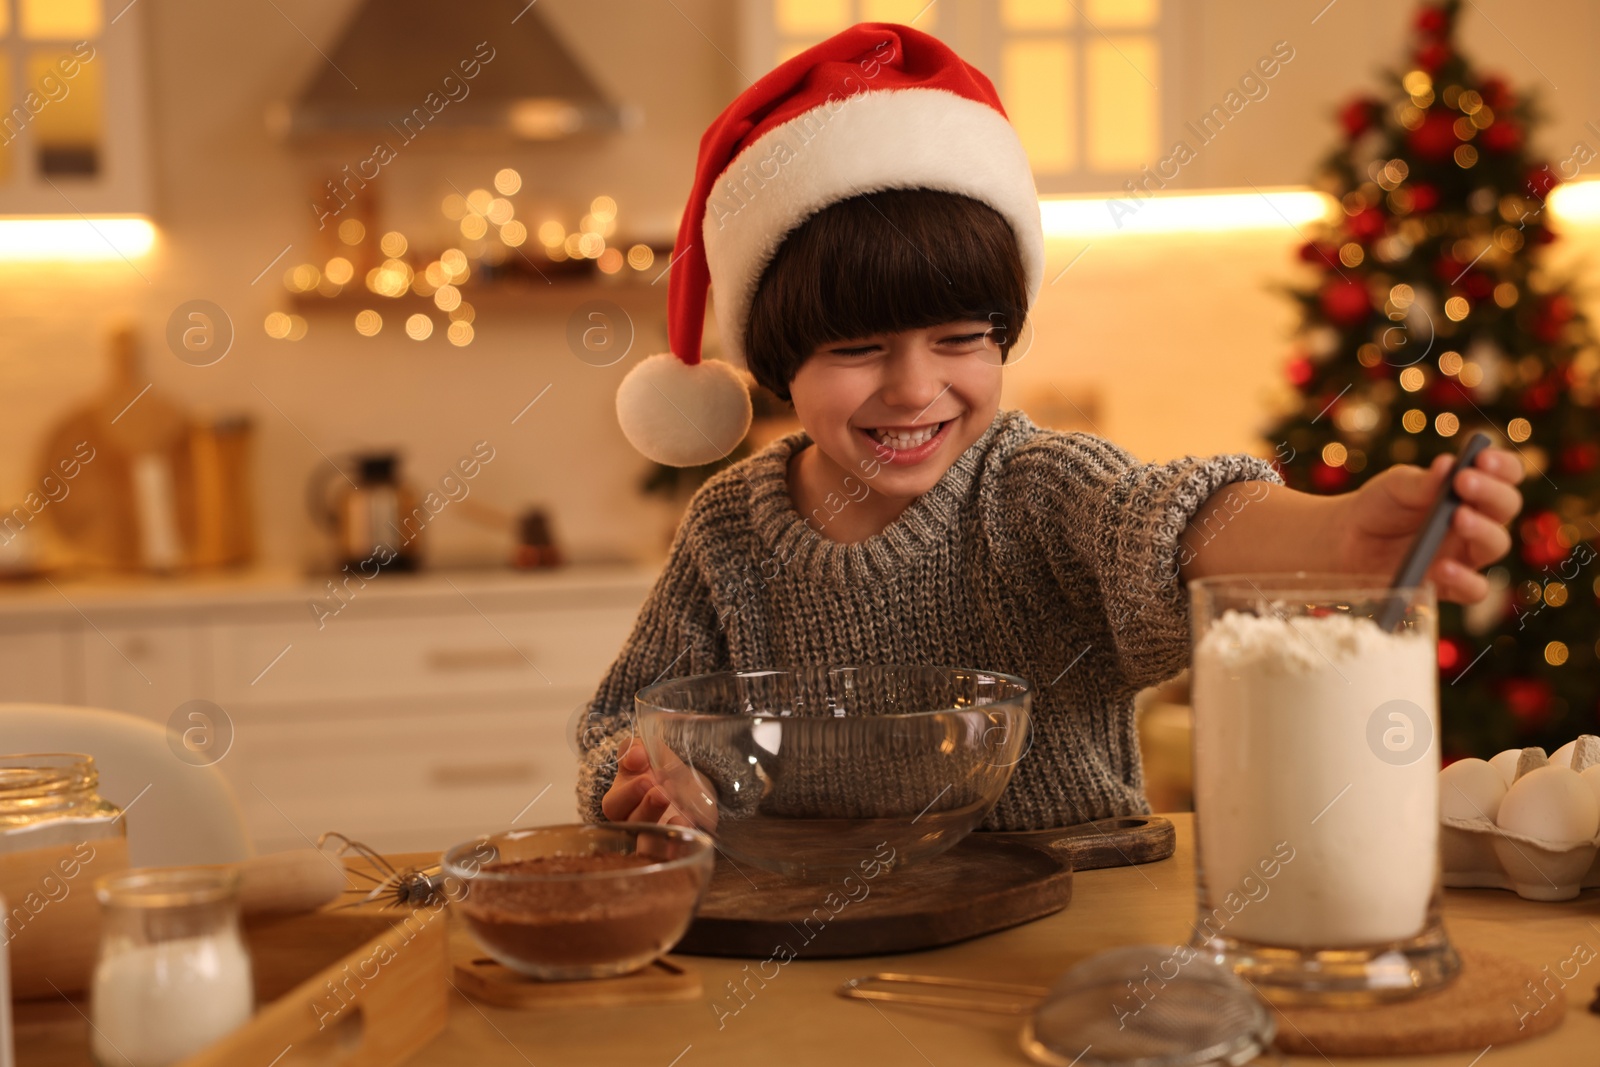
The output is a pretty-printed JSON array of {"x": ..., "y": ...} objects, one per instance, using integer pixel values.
[{"x": 493, "y": 243}]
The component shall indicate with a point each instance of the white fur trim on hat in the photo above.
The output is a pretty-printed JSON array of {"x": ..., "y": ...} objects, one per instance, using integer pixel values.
[
  {"x": 888, "y": 139},
  {"x": 680, "y": 414}
]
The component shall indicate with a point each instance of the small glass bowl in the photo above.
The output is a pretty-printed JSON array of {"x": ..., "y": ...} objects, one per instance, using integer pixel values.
[{"x": 581, "y": 901}]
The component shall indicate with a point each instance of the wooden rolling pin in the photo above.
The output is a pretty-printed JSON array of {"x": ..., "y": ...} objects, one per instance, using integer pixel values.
[
  {"x": 58, "y": 940},
  {"x": 286, "y": 883}
]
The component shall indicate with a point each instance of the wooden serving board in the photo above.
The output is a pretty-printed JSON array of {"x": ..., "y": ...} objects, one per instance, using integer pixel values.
[
  {"x": 1118, "y": 842},
  {"x": 988, "y": 882},
  {"x": 981, "y": 885}
]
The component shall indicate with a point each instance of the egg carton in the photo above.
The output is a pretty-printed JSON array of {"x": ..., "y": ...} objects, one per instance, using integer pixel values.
[{"x": 1477, "y": 854}]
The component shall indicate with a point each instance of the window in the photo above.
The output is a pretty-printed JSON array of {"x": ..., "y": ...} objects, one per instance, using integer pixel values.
[
  {"x": 1081, "y": 79},
  {"x": 71, "y": 111}
]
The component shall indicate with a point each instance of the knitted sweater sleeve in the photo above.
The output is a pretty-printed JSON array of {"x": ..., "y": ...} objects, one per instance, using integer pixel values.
[
  {"x": 677, "y": 633},
  {"x": 1110, "y": 528}
]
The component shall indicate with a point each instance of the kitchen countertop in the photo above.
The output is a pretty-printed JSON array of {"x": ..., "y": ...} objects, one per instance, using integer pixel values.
[
  {"x": 797, "y": 1019},
  {"x": 35, "y": 598}
]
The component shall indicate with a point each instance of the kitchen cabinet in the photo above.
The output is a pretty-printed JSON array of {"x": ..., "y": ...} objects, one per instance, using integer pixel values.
[
  {"x": 34, "y": 663},
  {"x": 426, "y": 710},
  {"x": 145, "y": 670}
]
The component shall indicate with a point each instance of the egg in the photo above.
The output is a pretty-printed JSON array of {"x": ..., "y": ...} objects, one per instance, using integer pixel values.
[
  {"x": 1471, "y": 789},
  {"x": 1552, "y": 803},
  {"x": 1562, "y": 757},
  {"x": 1592, "y": 776},
  {"x": 1506, "y": 764}
]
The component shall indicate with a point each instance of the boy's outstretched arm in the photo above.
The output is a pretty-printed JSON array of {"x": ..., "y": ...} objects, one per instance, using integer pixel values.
[{"x": 1258, "y": 527}]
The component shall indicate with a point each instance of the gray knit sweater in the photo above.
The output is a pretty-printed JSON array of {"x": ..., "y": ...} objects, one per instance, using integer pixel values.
[{"x": 1039, "y": 553}]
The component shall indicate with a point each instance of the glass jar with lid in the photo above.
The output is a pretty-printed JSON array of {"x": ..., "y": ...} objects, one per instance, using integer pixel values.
[
  {"x": 51, "y": 799},
  {"x": 57, "y": 835}
]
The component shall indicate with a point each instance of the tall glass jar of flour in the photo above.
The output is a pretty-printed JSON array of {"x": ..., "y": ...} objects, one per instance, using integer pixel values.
[{"x": 1316, "y": 786}]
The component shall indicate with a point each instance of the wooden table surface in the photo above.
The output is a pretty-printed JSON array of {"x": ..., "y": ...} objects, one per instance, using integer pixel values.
[{"x": 797, "y": 1019}]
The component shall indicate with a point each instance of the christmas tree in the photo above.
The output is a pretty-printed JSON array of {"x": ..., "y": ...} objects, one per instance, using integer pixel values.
[{"x": 1431, "y": 315}]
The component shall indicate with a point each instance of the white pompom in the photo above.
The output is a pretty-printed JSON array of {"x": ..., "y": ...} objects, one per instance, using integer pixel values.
[{"x": 682, "y": 415}]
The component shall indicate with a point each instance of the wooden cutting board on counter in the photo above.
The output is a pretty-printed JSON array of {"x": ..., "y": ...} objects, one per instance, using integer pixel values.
[{"x": 988, "y": 882}]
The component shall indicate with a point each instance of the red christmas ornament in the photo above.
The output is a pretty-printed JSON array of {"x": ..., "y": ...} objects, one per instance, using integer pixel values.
[
  {"x": 1326, "y": 479},
  {"x": 1580, "y": 458},
  {"x": 1433, "y": 55},
  {"x": 1541, "y": 396},
  {"x": 1496, "y": 93},
  {"x": 1365, "y": 224},
  {"x": 1526, "y": 698},
  {"x": 1451, "y": 654},
  {"x": 1424, "y": 197},
  {"x": 1436, "y": 138},
  {"x": 1431, "y": 20},
  {"x": 1479, "y": 286},
  {"x": 1541, "y": 543},
  {"x": 1358, "y": 116},
  {"x": 1503, "y": 135},
  {"x": 1552, "y": 315},
  {"x": 1298, "y": 371},
  {"x": 1345, "y": 301},
  {"x": 1319, "y": 255},
  {"x": 1449, "y": 393}
]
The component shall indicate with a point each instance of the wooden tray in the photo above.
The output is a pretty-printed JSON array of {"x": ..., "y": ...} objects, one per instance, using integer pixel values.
[
  {"x": 389, "y": 971},
  {"x": 979, "y": 886}
]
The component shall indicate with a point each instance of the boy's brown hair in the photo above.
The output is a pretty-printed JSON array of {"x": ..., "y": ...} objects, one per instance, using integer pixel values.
[{"x": 900, "y": 259}]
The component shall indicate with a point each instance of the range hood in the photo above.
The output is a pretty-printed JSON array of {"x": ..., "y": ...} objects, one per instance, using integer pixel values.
[{"x": 468, "y": 67}]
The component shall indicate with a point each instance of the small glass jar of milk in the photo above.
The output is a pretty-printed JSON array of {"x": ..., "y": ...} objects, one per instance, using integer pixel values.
[
  {"x": 1316, "y": 786},
  {"x": 173, "y": 975}
]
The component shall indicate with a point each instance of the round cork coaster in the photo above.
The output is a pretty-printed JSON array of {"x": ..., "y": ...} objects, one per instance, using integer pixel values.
[{"x": 1495, "y": 1000}]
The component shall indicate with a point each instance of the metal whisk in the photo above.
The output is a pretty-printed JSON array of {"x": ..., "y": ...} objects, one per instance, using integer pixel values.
[{"x": 394, "y": 887}]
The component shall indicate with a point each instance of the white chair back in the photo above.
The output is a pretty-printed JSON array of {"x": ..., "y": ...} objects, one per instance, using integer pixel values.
[{"x": 177, "y": 813}]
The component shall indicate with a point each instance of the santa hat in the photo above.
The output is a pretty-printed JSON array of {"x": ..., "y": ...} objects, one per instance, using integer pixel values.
[{"x": 878, "y": 106}]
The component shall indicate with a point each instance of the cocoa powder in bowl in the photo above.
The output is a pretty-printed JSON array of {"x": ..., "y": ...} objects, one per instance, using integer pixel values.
[{"x": 554, "y": 926}]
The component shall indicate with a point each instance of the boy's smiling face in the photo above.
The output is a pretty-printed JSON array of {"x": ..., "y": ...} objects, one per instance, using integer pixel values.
[{"x": 895, "y": 410}]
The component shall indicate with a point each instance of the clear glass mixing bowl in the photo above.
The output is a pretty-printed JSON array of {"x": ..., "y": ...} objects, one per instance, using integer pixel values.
[{"x": 815, "y": 771}]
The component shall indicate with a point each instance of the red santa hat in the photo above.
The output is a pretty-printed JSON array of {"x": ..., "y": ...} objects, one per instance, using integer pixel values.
[{"x": 878, "y": 106}]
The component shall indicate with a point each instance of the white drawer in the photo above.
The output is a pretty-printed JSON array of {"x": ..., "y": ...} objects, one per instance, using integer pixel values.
[
  {"x": 145, "y": 670},
  {"x": 461, "y": 653},
  {"x": 402, "y": 784}
]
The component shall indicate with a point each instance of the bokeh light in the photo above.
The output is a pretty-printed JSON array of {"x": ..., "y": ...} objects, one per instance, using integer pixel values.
[{"x": 507, "y": 181}]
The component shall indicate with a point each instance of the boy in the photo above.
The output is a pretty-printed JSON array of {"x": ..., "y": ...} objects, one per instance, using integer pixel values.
[{"x": 867, "y": 220}]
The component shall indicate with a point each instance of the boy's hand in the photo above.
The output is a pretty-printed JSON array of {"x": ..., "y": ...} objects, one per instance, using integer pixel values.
[
  {"x": 1385, "y": 515},
  {"x": 635, "y": 795}
]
